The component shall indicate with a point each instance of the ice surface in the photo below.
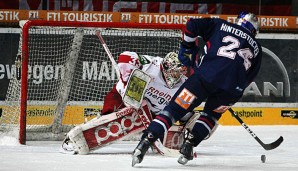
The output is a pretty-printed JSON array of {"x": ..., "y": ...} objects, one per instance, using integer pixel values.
[{"x": 230, "y": 148}]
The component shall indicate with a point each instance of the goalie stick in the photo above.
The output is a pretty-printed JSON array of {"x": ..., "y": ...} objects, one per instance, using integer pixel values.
[
  {"x": 269, "y": 146},
  {"x": 102, "y": 41}
]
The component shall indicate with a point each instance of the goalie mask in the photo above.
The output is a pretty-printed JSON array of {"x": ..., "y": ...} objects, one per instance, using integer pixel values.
[
  {"x": 172, "y": 69},
  {"x": 248, "y": 21}
]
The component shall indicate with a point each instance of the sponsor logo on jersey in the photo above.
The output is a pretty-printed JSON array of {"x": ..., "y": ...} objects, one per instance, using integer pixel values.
[
  {"x": 162, "y": 97},
  {"x": 185, "y": 98}
]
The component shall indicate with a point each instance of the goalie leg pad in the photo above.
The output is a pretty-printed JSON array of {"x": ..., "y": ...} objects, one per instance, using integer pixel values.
[{"x": 106, "y": 130}]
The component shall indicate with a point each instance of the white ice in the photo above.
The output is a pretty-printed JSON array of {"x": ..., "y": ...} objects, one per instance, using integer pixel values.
[{"x": 230, "y": 148}]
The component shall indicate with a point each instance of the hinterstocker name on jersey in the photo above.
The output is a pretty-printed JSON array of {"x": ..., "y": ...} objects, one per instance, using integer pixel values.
[{"x": 241, "y": 34}]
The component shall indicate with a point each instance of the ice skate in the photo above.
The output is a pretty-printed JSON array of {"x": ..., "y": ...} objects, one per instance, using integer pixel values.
[
  {"x": 67, "y": 147},
  {"x": 186, "y": 148},
  {"x": 140, "y": 151},
  {"x": 143, "y": 146}
]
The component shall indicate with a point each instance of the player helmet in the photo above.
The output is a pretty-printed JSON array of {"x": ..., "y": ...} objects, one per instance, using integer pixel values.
[
  {"x": 248, "y": 21},
  {"x": 172, "y": 69}
]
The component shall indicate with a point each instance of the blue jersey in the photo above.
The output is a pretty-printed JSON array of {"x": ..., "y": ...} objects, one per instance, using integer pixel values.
[{"x": 232, "y": 57}]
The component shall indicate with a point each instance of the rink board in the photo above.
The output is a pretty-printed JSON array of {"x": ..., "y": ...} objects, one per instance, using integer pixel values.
[{"x": 78, "y": 113}]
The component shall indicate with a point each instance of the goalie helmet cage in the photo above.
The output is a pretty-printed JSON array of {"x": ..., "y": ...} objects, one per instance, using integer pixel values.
[{"x": 66, "y": 73}]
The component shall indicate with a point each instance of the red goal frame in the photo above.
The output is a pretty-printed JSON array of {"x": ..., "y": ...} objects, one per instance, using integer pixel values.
[{"x": 25, "y": 52}]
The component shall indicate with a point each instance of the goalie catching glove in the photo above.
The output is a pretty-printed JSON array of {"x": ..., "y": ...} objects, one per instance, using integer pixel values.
[{"x": 187, "y": 53}]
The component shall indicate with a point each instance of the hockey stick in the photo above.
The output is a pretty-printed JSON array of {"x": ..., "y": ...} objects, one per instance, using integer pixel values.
[
  {"x": 102, "y": 41},
  {"x": 269, "y": 146}
]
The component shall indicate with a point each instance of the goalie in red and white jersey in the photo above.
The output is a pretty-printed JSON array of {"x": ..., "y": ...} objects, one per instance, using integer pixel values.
[{"x": 167, "y": 75}]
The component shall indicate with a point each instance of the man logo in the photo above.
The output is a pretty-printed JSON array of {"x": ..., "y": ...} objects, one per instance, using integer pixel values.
[
  {"x": 280, "y": 78},
  {"x": 185, "y": 98}
]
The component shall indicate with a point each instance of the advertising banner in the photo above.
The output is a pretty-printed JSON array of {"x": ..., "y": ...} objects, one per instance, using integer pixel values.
[
  {"x": 266, "y": 22},
  {"x": 268, "y": 7}
]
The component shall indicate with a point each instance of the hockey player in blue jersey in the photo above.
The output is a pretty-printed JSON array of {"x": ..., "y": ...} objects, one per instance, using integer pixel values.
[{"x": 229, "y": 63}]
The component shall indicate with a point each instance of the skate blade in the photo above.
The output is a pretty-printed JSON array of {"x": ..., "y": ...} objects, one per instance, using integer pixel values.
[
  {"x": 135, "y": 158},
  {"x": 182, "y": 160}
]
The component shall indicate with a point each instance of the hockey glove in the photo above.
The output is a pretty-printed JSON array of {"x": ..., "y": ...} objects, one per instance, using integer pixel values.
[{"x": 187, "y": 53}]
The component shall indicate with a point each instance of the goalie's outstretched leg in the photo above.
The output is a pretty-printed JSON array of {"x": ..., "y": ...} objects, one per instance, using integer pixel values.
[{"x": 105, "y": 130}]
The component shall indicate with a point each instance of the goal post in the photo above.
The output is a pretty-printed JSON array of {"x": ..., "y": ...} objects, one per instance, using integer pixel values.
[{"x": 66, "y": 73}]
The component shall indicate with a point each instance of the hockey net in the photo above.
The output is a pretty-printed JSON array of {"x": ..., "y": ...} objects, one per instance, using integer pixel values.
[{"x": 66, "y": 73}]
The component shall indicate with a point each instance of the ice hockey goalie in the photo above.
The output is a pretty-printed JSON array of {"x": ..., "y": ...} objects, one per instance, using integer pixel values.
[{"x": 167, "y": 76}]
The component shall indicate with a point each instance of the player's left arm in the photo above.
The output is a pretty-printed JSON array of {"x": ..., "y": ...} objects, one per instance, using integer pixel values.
[{"x": 188, "y": 48}]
